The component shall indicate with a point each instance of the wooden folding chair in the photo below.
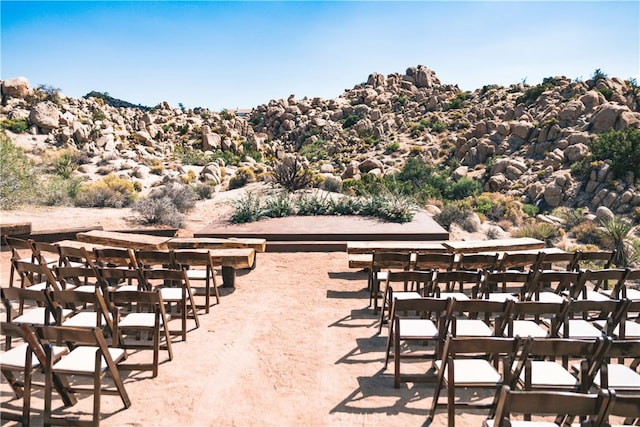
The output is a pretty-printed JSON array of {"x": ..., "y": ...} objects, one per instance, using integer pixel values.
[
  {"x": 582, "y": 316},
  {"x": 593, "y": 260},
  {"x": 146, "y": 314},
  {"x": 434, "y": 261},
  {"x": 71, "y": 256},
  {"x": 150, "y": 259},
  {"x": 80, "y": 279},
  {"x": 473, "y": 362},
  {"x": 503, "y": 285},
  {"x": 115, "y": 257},
  {"x": 380, "y": 263},
  {"x": 560, "y": 261},
  {"x": 89, "y": 310},
  {"x": 402, "y": 281},
  {"x": 22, "y": 361},
  {"x": 539, "y": 369},
  {"x": 565, "y": 406},
  {"x": 629, "y": 288},
  {"x": 20, "y": 251},
  {"x": 121, "y": 279},
  {"x": 478, "y": 317},
  {"x": 619, "y": 368},
  {"x": 477, "y": 262},
  {"x": 175, "y": 288},
  {"x": 534, "y": 319},
  {"x": 90, "y": 357},
  {"x": 192, "y": 261},
  {"x": 629, "y": 323},
  {"x": 45, "y": 251},
  {"x": 419, "y": 321},
  {"x": 35, "y": 276},
  {"x": 472, "y": 280},
  {"x": 30, "y": 307},
  {"x": 549, "y": 285},
  {"x": 520, "y": 261},
  {"x": 591, "y": 282}
]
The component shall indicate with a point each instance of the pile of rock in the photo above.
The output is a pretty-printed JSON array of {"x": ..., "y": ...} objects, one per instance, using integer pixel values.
[{"x": 513, "y": 140}]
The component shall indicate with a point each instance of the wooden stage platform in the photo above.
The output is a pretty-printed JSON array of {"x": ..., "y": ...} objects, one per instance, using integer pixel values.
[{"x": 326, "y": 233}]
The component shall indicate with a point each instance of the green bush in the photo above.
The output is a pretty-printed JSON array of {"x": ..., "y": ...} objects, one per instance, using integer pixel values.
[
  {"x": 463, "y": 188},
  {"x": 530, "y": 210},
  {"x": 246, "y": 209},
  {"x": 242, "y": 177},
  {"x": 278, "y": 206},
  {"x": 15, "y": 125},
  {"x": 617, "y": 234},
  {"x": 307, "y": 205},
  {"x": 537, "y": 230},
  {"x": 621, "y": 148},
  {"x": 181, "y": 196},
  {"x": 204, "y": 191},
  {"x": 350, "y": 120},
  {"x": 391, "y": 147},
  {"x": 17, "y": 177},
  {"x": 315, "y": 150},
  {"x": 608, "y": 93}
]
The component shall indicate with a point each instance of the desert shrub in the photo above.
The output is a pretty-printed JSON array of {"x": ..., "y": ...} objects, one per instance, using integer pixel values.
[
  {"x": 586, "y": 232},
  {"x": 607, "y": 93},
  {"x": 242, "y": 177},
  {"x": 278, "y": 206},
  {"x": 571, "y": 216},
  {"x": 350, "y": 120},
  {"x": 15, "y": 125},
  {"x": 391, "y": 147},
  {"x": 454, "y": 212},
  {"x": 293, "y": 173},
  {"x": 59, "y": 191},
  {"x": 621, "y": 148},
  {"x": 530, "y": 210},
  {"x": 188, "y": 155},
  {"x": 456, "y": 102},
  {"x": 312, "y": 204},
  {"x": 250, "y": 152},
  {"x": 17, "y": 176},
  {"x": 158, "y": 210},
  {"x": 110, "y": 191},
  {"x": 204, "y": 191},
  {"x": 497, "y": 207},
  {"x": 246, "y": 209},
  {"x": 537, "y": 230},
  {"x": 345, "y": 206},
  {"x": 635, "y": 215},
  {"x": 617, "y": 234},
  {"x": 181, "y": 196},
  {"x": 332, "y": 184},
  {"x": 534, "y": 92},
  {"x": 66, "y": 162},
  {"x": 315, "y": 150},
  {"x": 464, "y": 187}
]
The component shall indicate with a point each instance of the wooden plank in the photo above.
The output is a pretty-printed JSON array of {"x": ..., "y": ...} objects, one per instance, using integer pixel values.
[
  {"x": 473, "y": 246},
  {"x": 368, "y": 247},
  {"x": 50, "y": 236},
  {"x": 232, "y": 257},
  {"x": 163, "y": 232},
  {"x": 14, "y": 229},
  {"x": 259, "y": 245},
  {"x": 124, "y": 240}
]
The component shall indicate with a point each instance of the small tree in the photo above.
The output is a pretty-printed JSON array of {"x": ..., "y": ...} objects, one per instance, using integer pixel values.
[
  {"x": 293, "y": 173},
  {"x": 621, "y": 148}
]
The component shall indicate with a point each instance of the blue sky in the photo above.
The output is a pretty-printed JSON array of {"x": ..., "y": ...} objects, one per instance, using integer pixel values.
[{"x": 235, "y": 54}]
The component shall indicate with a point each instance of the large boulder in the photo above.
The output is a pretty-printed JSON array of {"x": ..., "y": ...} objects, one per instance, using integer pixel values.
[
  {"x": 45, "y": 115},
  {"x": 17, "y": 87},
  {"x": 606, "y": 117}
]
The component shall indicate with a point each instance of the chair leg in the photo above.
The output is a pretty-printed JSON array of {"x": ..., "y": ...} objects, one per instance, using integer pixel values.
[
  {"x": 26, "y": 400},
  {"x": 396, "y": 357},
  {"x": 451, "y": 396},
  {"x": 384, "y": 304}
]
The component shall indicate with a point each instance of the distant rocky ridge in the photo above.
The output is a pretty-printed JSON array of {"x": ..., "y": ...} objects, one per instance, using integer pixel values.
[{"x": 519, "y": 140}]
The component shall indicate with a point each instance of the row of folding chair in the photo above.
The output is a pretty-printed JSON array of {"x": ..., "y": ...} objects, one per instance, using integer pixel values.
[
  {"x": 544, "y": 286},
  {"x": 65, "y": 355},
  {"x": 509, "y": 261},
  {"x": 577, "y": 366},
  {"x": 419, "y": 326},
  {"x": 596, "y": 409}
]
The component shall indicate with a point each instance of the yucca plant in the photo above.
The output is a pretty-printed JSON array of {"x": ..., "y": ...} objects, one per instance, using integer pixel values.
[{"x": 618, "y": 233}]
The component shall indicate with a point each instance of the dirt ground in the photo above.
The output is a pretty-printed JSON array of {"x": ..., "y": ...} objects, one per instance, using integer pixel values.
[{"x": 294, "y": 344}]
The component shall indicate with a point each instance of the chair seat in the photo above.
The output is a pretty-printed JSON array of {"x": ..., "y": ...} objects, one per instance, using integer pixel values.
[
  {"x": 171, "y": 294},
  {"x": 582, "y": 329},
  {"x": 621, "y": 377},
  {"x": 472, "y": 328},
  {"x": 518, "y": 423},
  {"x": 197, "y": 274},
  {"x": 418, "y": 329},
  {"x": 38, "y": 286},
  {"x": 36, "y": 316},
  {"x": 81, "y": 360},
  {"x": 550, "y": 297},
  {"x": 455, "y": 295},
  {"x": 502, "y": 297},
  {"x": 138, "y": 320},
  {"x": 126, "y": 288},
  {"x": 406, "y": 295},
  {"x": 550, "y": 375},
  {"x": 595, "y": 296},
  {"x": 472, "y": 372},
  {"x": 14, "y": 358},
  {"x": 528, "y": 328},
  {"x": 86, "y": 288},
  {"x": 85, "y": 319},
  {"x": 632, "y": 294}
]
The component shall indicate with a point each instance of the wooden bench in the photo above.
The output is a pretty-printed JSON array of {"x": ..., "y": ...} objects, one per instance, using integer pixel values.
[
  {"x": 497, "y": 245},
  {"x": 124, "y": 240},
  {"x": 258, "y": 245}
]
